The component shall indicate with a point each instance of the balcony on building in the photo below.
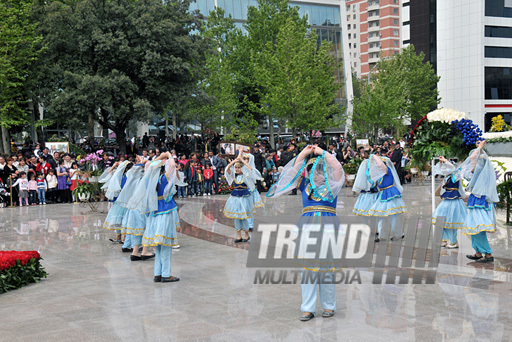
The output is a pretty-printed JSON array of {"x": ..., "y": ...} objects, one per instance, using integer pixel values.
[
  {"x": 374, "y": 38},
  {"x": 374, "y": 48},
  {"x": 373, "y": 59},
  {"x": 373, "y": 5}
]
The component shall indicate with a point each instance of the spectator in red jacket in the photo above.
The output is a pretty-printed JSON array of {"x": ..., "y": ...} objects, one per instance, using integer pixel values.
[
  {"x": 208, "y": 178},
  {"x": 43, "y": 166}
]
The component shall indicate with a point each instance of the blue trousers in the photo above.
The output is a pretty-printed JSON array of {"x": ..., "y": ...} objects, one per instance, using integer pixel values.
[
  {"x": 163, "y": 261},
  {"x": 480, "y": 243},
  {"x": 450, "y": 235},
  {"x": 127, "y": 241},
  {"x": 42, "y": 196},
  {"x": 251, "y": 222},
  {"x": 182, "y": 191},
  {"x": 310, "y": 281},
  {"x": 393, "y": 226},
  {"x": 241, "y": 224}
]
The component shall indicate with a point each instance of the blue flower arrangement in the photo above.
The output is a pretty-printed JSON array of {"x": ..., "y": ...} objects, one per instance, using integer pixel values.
[{"x": 470, "y": 131}]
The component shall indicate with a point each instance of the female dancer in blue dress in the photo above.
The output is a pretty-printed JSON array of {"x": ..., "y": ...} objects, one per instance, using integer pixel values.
[
  {"x": 134, "y": 223},
  {"x": 255, "y": 195},
  {"x": 114, "y": 186},
  {"x": 367, "y": 193},
  {"x": 481, "y": 217},
  {"x": 319, "y": 179},
  {"x": 240, "y": 205},
  {"x": 382, "y": 173},
  {"x": 154, "y": 196},
  {"x": 452, "y": 206}
]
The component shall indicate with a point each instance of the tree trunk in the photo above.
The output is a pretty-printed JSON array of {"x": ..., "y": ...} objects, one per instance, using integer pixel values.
[
  {"x": 175, "y": 130},
  {"x": 6, "y": 140},
  {"x": 1, "y": 144},
  {"x": 90, "y": 130},
  {"x": 121, "y": 139},
  {"x": 166, "y": 125},
  {"x": 271, "y": 132}
]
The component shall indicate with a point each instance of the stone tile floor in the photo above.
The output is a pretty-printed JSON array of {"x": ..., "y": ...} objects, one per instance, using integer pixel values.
[{"x": 95, "y": 293}]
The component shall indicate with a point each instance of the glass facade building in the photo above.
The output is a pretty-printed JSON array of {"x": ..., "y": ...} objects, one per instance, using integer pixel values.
[{"x": 324, "y": 18}]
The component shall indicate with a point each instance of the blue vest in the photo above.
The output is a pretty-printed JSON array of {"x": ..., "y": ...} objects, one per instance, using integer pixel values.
[
  {"x": 452, "y": 190},
  {"x": 165, "y": 205}
]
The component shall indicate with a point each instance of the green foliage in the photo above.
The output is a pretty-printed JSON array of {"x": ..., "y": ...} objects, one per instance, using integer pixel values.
[
  {"x": 402, "y": 90},
  {"x": 76, "y": 150},
  {"x": 275, "y": 71},
  {"x": 352, "y": 166},
  {"x": 436, "y": 138},
  {"x": 504, "y": 193},
  {"x": 20, "y": 275},
  {"x": 117, "y": 61},
  {"x": 499, "y": 140},
  {"x": 19, "y": 47}
]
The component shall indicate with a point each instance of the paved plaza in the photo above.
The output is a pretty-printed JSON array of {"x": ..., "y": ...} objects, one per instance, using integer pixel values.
[{"x": 95, "y": 293}]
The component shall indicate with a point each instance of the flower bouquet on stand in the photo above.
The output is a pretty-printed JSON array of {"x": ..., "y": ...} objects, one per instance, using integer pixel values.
[
  {"x": 19, "y": 268},
  {"x": 443, "y": 132},
  {"x": 88, "y": 190}
]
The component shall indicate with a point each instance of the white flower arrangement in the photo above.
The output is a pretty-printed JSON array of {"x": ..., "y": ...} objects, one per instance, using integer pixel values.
[
  {"x": 494, "y": 135},
  {"x": 446, "y": 115}
]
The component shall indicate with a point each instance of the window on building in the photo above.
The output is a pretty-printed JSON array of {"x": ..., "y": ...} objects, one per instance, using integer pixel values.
[
  {"x": 355, "y": 35},
  {"x": 498, "y": 83},
  {"x": 395, "y": 53},
  {"x": 498, "y": 52},
  {"x": 349, "y": 26},
  {"x": 353, "y": 16},
  {"x": 395, "y": 33},
  {"x": 355, "y": 45},
  {"x": 405, "y": 23},
  {"x": 395, "y": 22},
  {"x": 395, "y": 10},
  {"x": 349, "y": 36},
  {"x": 355, "y": 26},
  {"x": 498, "y": 8},
  {"x": 395, "y": 42},
  {"x": 498, "y": 31},
  {"x": 395, "y": 1},
  {"x": 355, "y": 64},
  {"x": 350, "y": 45}
]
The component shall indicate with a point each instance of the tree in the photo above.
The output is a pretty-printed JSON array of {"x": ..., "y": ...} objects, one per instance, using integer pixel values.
[
  {"x": 119, "y": 61},
  {"x": 19, "y": 47},
  {"x": 403, "y": 90},
  {"x": 294, "y": 77}
]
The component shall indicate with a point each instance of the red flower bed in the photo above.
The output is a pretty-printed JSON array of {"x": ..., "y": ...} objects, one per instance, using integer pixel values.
[
  {"x": 8, "y": 258},
  {"x": 18, "y": 268}
]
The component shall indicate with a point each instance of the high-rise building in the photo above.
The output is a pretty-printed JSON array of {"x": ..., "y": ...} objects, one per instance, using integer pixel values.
[
  {"x": 474, "y": 58},
  {"x": 374, "y": 31}
]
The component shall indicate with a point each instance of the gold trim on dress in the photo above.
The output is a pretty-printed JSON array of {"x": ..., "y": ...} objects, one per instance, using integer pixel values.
[
  {"x": 392, "y": 185},
  {"x": 319, "y": 208}
]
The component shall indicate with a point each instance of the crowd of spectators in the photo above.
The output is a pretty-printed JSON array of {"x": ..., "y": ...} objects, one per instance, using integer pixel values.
[{"x": 201, "y": 161}]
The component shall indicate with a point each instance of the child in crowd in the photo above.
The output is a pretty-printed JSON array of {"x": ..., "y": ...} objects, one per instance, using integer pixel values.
[
  {"x": 200, "y": 182},
  {"x": 41, "y": 188},
  {"x": 73, "y": 173},
  {"x": 180, "y": 182},
  {"x": 51, "y": 181},
  {"x": 32, "y": 189},
  {"x": 22, "y": 184},
  {"x": 208, "y": 178}
]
